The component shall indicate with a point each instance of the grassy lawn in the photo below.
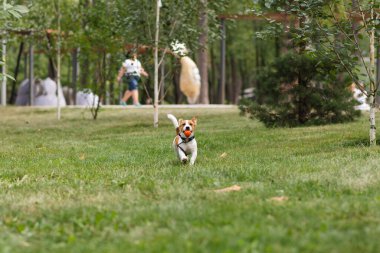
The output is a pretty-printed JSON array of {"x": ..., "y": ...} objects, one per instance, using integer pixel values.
[{"x": 114, "y": 185}]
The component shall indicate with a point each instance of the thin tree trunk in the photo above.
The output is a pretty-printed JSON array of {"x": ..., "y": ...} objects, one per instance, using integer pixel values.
[
  {"x": 222, "y": 82},
  {"x": 59, "y": 63},
  {"x": 378, "y": 64},
  {"x": 13, "y": 91},
  {"x": 202, "y": 53},
  {"x": 230, "y": 83},
  {"x": 162, "y": 83},
  {"x": 213, "y": 81},
  {"x": 177, "y": 91},
  {"x": 155, "y": 115},
  {"x": 257, "y": 61},
  {"x": 31, "y": 74},
  {"x": 52, "y": 71},
  {"x": 372, "y": 111},
  {"x": 302, "y": 83},
  {"x": 75, "y": 70},
  {"x": 236, "y": 81}
]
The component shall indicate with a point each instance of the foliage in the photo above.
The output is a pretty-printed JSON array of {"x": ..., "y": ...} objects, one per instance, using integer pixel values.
[
  {"x": 331, "y": 28},
  {"x": 9, "y": 12},
  {"x": 301, "y": 90}
]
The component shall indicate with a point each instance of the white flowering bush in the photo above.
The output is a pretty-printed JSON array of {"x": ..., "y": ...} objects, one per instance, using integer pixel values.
[{"x": 179, "y": 48}]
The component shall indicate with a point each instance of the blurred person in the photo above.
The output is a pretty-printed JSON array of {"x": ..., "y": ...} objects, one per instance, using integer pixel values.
[{"x": 132, "y": 70}]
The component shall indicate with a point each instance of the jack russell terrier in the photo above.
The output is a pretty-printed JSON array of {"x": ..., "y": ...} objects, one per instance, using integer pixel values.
[{"x": 184, "y": 143}]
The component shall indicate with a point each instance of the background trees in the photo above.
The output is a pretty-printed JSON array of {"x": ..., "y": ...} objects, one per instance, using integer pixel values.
[
  {"x": 342, "y": 31},
  {"x": 98, "y": 33}
]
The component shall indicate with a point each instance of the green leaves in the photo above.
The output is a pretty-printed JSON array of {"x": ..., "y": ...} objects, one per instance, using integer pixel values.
[{"x": 16, "y": 11}]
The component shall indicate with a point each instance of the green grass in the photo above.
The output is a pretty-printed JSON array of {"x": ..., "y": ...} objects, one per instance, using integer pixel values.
[{"x": 114, "y": 185}]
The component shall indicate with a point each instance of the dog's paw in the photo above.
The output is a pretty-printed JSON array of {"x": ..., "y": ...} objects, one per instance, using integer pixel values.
[{"x": 184, "y": 160}]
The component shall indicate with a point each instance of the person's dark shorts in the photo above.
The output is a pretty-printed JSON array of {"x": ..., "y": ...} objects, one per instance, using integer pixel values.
[{"x": 133, "y": 82}]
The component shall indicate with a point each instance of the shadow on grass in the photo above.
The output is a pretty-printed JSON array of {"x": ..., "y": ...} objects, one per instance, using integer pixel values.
[{"x": 362, "y": 142}]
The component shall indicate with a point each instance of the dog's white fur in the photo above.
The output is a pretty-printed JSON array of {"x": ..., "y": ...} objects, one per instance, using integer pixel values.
[{"x": 183, "y": 145}]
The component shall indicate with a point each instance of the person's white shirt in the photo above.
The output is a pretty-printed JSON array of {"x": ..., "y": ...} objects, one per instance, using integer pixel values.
[{"x": 132, "y": 67}]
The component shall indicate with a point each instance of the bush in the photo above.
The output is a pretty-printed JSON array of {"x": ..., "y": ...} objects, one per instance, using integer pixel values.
[{"x": 301, "y": 90}]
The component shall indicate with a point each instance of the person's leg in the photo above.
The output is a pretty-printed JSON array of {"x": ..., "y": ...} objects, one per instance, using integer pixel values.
[
  {"x": 126, "y": 96},
  {"x": 135, "y": 97},
  {"x": 134, "y": 90},
  {"x": 129, "y": 92}
]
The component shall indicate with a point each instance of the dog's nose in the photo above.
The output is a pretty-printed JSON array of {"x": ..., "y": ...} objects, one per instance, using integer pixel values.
[{"x": 187, "y": 128}]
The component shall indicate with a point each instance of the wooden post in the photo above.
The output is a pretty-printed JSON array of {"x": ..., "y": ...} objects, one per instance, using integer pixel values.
[{"x": 222, "y": 83}]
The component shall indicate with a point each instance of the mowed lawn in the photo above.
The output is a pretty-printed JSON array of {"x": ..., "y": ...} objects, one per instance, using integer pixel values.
[{"x": 115, "y": 185}]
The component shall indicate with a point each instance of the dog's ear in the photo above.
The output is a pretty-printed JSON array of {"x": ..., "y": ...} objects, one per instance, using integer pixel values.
[
  {"x": 180, "y": 121},
  {"x": 194, "y": 120}
]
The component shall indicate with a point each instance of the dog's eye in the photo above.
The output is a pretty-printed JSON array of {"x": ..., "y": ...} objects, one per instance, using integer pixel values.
[{"x": 183, "y": 124}]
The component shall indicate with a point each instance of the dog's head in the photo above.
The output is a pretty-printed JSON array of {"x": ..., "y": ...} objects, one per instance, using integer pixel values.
[{"x": 187, "y": 125}]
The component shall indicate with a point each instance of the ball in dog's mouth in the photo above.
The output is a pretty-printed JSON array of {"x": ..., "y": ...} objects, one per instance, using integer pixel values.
[{"x": 187, "y": 133}]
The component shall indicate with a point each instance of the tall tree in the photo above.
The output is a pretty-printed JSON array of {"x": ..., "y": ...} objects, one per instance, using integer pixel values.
[{"x": 203, "y": 52}]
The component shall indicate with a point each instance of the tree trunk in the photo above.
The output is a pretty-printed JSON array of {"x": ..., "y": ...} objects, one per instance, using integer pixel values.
[
  {"x": 202, "y": 53},
  {"x": 13, "y": 91},
  {"x": 372, "y": 121},
  {"x": 302, "y": 84},
  {"x": 59, "y": 62},
  {"x": 222, "y": 81},
  {"x": 213, "y": 80},
  {"x": 31, "y": 74},
  {"x": 177, "y": 91},
  {"x": 378, "y": 71},
  {"x": 155, "y": 114},
  {"x": 372, "y": 101},
  {"x": 4, "y": 72},
  {"x": 236, "y": 81},
  {"x": 75, "y": 70},
  {"x": 162, "y": 83}
]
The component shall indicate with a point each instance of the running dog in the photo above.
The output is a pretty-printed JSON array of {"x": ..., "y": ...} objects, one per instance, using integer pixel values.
[{"x": 184, "y": 143}]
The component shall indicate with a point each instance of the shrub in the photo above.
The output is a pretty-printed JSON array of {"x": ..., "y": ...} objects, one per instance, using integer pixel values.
[{"x": 298, "y": 89}]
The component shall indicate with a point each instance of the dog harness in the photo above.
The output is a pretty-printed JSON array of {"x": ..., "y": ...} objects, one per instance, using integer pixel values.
[{"x": 184, "y": 141}]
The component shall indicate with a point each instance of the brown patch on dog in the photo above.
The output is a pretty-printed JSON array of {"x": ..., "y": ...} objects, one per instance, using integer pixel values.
[
  {"x": 194, "y": 120},
  {"x": 181, "y": 123},
  {"x": 176, "y": 140}
]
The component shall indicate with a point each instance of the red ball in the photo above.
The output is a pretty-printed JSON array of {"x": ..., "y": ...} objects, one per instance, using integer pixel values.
[{"x": 187, "y": 133}]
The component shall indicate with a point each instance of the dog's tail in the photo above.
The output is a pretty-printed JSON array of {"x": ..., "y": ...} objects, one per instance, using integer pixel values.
[{"x": 174, "y": 120}]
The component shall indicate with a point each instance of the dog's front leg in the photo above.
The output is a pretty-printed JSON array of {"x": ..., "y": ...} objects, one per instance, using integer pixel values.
[
  {"x": 181, "y": 155},
  {"x": 193, "y": 156}
]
